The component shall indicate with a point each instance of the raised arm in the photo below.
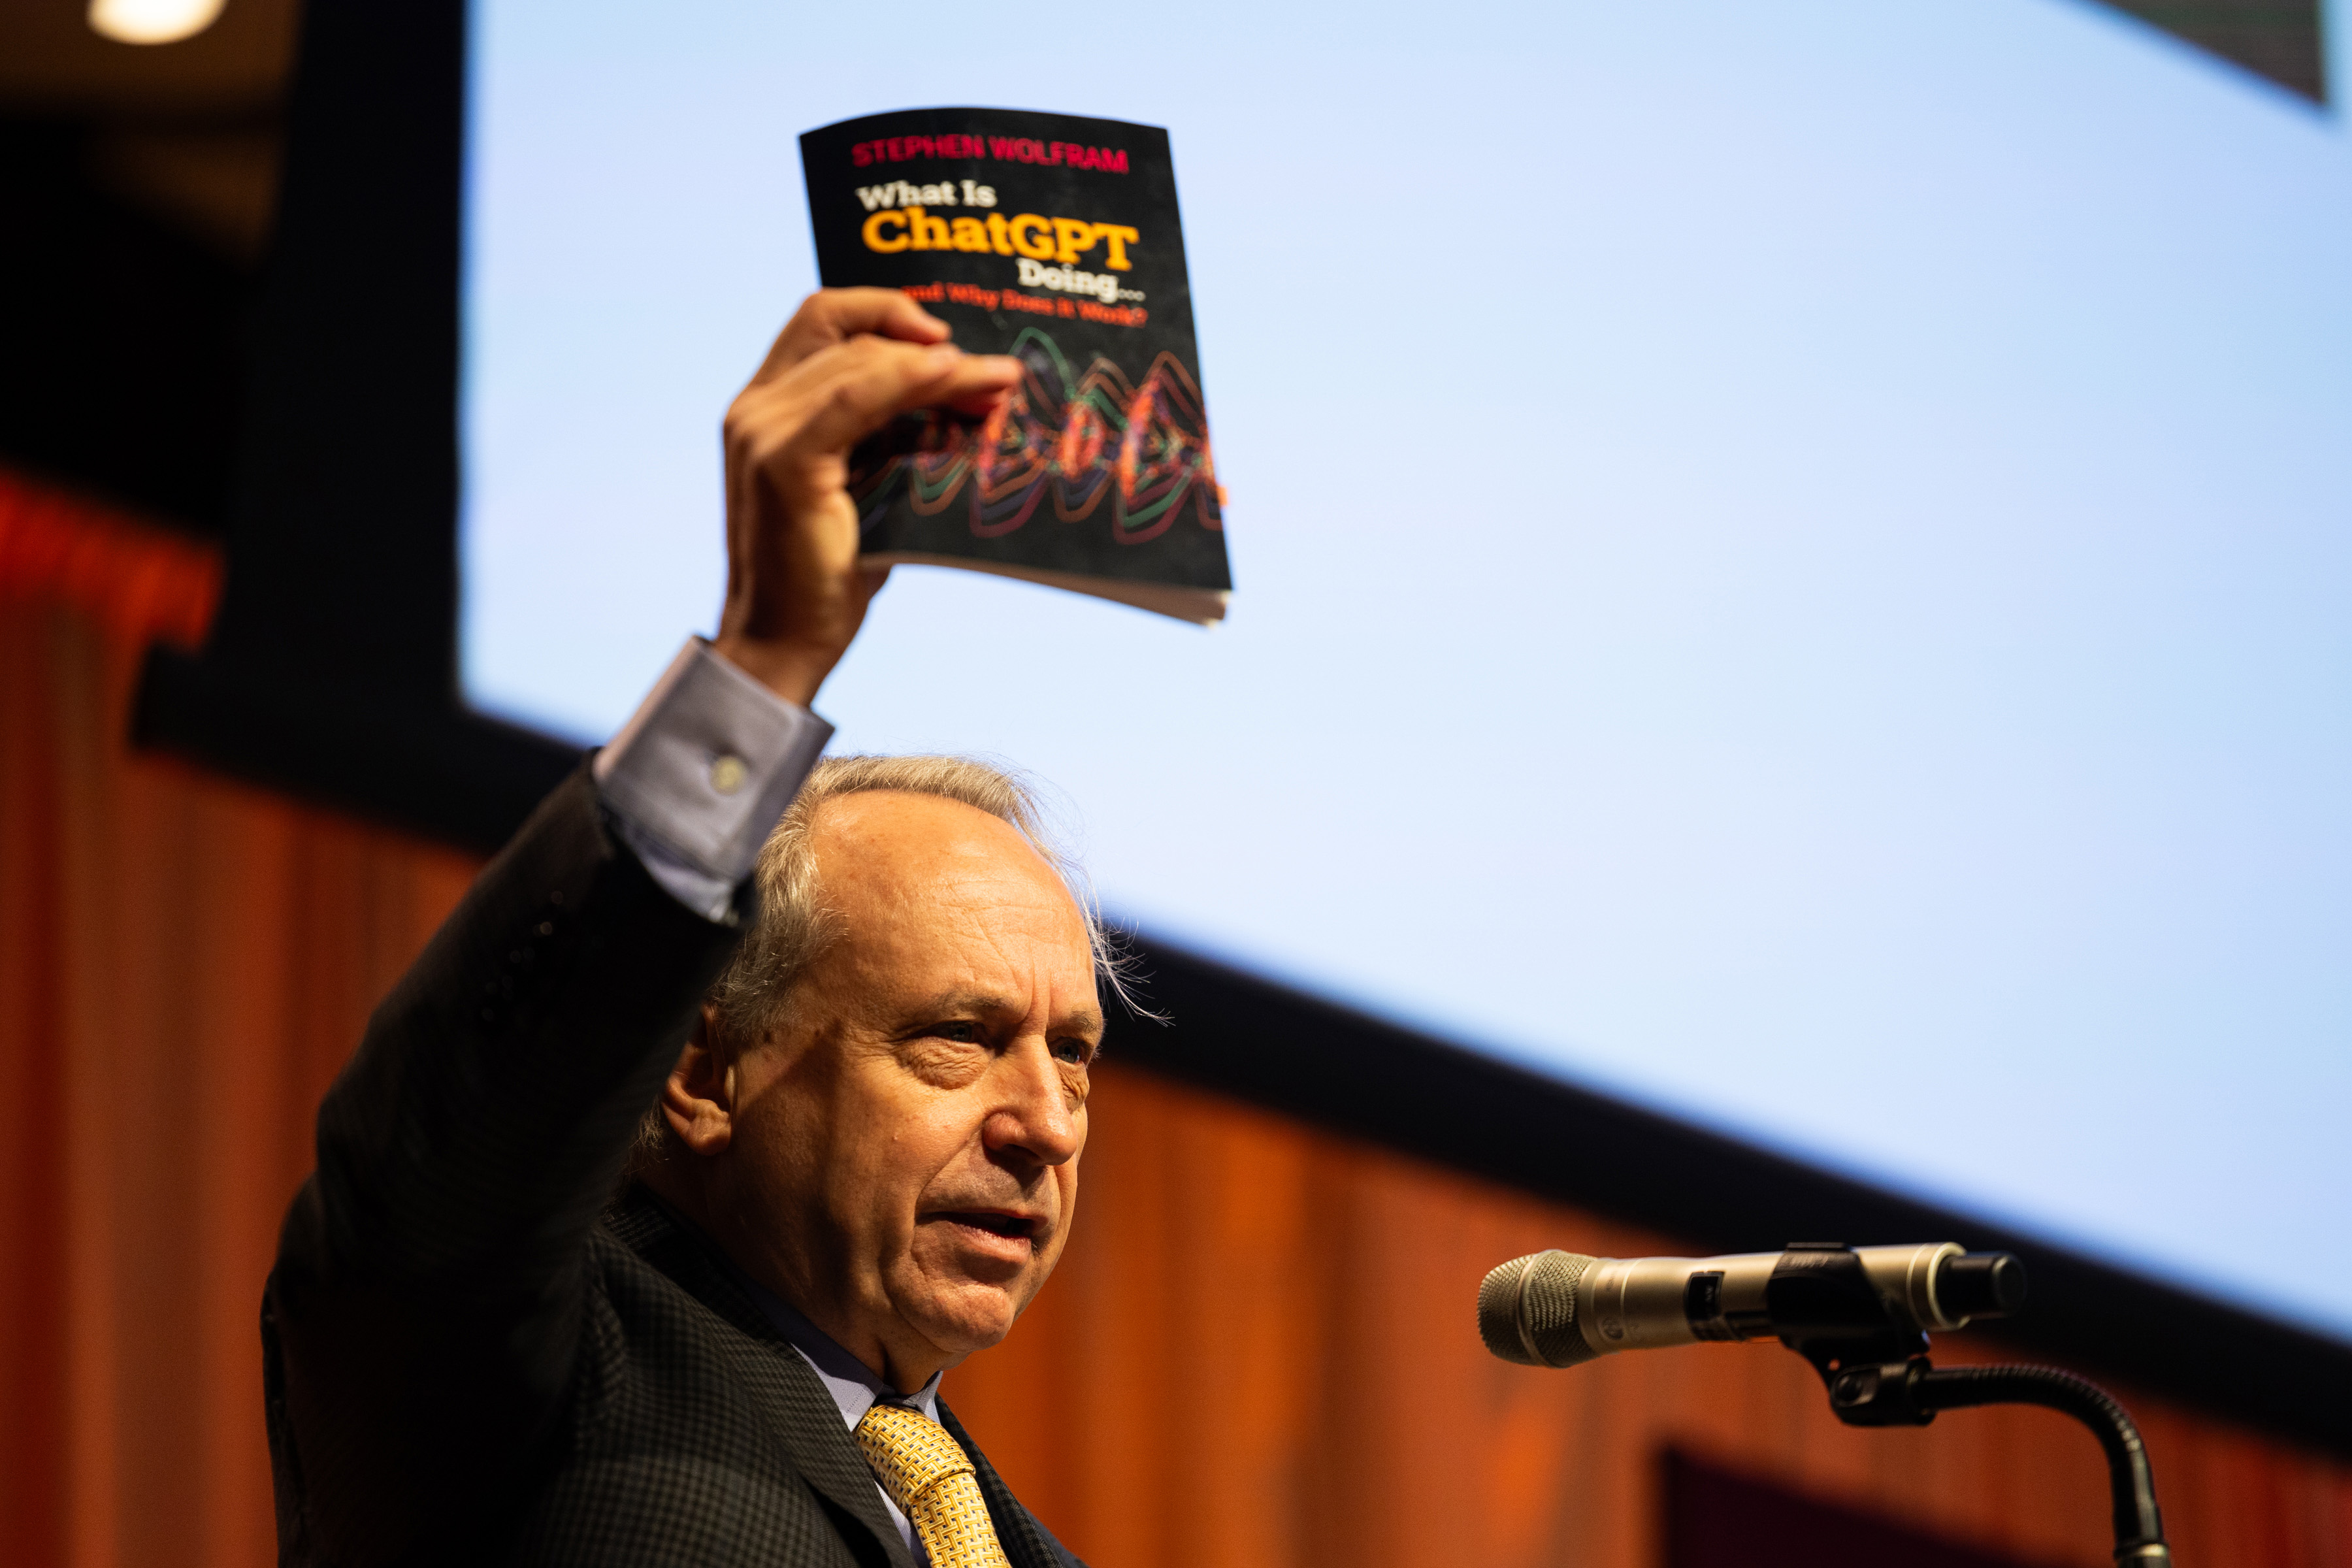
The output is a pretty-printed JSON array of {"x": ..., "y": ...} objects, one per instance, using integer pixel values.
[{"x": 424, "y": 1318}]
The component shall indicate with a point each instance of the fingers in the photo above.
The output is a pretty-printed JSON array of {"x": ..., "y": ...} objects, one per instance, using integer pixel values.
[
  {"x": 876, "y": 380},
  {"x": 831, "y": 316},
  {"x": 980, "y": 406}
]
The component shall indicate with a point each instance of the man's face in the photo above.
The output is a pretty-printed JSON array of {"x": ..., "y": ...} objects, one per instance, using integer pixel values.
[{"x": 904, "y": 1160}]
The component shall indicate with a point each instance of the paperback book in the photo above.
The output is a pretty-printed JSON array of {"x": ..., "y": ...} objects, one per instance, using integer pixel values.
[{"x": 1054, "y": 239}]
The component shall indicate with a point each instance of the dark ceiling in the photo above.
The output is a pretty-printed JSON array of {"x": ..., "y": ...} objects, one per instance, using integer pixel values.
[
  {"x": 2280, "y": 40},
  {"x": 140, "y": 183}
]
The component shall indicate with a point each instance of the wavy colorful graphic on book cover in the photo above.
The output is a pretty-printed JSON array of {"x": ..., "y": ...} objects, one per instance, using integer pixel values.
[{"x": 1055, "y": 239}]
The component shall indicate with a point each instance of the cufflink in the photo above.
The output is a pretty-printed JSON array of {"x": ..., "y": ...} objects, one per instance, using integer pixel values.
[{"x": 727, "y": 773}]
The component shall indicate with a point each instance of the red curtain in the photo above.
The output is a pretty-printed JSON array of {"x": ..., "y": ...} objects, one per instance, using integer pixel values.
[
  {"x": 1259, "y": 1350},
  {"x": 183, "y": 964}
]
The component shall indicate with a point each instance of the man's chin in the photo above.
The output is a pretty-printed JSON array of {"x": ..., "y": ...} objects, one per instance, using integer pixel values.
[{"x": 961, "y": 1314}]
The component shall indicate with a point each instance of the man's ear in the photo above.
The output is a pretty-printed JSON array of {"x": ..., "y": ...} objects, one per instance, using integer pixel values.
[{"x": 698, "y": 1100}]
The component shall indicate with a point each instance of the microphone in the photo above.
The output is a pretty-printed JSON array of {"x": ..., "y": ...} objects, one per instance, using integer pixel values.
[{"x": 1558, "y": 1309}]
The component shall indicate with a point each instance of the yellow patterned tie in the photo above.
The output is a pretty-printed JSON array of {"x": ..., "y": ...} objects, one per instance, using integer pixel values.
[{"x": 931, "y": 1480}]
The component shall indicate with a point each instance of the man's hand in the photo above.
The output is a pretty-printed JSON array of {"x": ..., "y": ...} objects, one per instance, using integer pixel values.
[{"x": 847, "y": 361}]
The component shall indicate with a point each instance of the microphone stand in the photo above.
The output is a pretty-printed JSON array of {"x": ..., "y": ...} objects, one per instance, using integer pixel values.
[{"x": 1884, "y": 1380}]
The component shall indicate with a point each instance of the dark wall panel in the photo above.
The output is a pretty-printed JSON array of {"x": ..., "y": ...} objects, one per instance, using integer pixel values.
[{"x": 1718, "y": 1518}]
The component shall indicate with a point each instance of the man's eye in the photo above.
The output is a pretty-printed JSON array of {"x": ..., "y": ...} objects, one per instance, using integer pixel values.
[
  {"x": 1077, "y": 1053},
  {"x": 963, "y": 1034}
]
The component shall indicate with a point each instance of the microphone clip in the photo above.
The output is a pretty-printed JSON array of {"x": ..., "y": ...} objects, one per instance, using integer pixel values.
[{"x": 1875, "y": 1381}]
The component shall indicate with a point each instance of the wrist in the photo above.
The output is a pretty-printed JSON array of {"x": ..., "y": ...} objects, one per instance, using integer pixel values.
[{"x": 794, "y": 671}]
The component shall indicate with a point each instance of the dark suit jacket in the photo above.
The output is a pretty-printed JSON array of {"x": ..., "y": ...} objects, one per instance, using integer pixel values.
[{"x": 469, "y": 1357}]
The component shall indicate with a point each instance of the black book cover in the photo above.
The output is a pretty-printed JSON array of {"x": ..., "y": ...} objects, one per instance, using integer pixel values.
[{"x": 1055, "y": 239}]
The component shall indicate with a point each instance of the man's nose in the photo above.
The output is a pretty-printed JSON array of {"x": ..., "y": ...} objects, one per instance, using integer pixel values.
[{"x": 1033, "y": 1114}]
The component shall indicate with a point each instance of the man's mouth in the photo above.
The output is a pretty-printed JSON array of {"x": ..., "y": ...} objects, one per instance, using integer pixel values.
[{"x": 1010, "y": 1227}]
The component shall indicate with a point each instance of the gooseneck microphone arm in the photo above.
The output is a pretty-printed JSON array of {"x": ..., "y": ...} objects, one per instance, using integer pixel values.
[
  {"x": 2131, "y": 1485},
  {"x": 1909, "y": 1392},
  {"x": 1860, "y": 1316}
]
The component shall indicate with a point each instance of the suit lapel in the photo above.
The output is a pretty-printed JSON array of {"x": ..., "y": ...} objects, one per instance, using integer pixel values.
[
  {"x": 803, "y": 1415},
  {"x": 1026, "y": 1542},
  {"x": 809, "y": 1425}
]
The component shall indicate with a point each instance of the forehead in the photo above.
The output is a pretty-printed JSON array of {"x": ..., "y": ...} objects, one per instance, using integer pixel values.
[{"x": 915, "y": 871}]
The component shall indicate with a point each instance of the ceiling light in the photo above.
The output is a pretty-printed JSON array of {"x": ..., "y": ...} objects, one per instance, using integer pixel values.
[{"x": 152, "y": 21}]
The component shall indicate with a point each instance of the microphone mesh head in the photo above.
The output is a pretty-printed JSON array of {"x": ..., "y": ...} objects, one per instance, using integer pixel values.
[{"x": 1527, "y": 1309}]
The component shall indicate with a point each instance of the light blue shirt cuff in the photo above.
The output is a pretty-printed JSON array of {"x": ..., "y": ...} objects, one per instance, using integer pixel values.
[{"x": 697, "y": 778}]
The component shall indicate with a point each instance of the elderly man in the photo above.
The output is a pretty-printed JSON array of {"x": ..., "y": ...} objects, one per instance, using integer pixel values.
[{"x": 860, "y": 999}]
